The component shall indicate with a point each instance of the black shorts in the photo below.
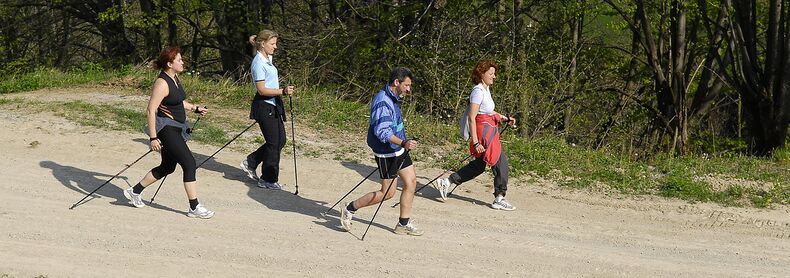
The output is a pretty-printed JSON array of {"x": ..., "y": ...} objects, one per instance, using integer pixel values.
[{"x": 388, "y": 166}]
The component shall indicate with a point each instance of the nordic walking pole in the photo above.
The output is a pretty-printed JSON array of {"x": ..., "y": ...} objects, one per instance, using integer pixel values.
[
  {"x": 215, "y": 153},
  {"x": 228, "y": 143},
  {"x": 108, "y": 181},
  {"x": 352, "y": 190},
  {"x": 293, "y": 142},
  {"x": 189, "y": 131},
  {"x": 385, "y": 195},
  {"x": 436, "y": 178}
]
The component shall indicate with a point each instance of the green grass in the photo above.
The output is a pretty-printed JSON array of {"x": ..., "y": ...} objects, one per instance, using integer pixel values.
[
  {"x": 570, "y": 166},
  {"x": 51, "y": 78},
  {"x": 113, "y": 118},
  {"x": 672, "y": 177}
]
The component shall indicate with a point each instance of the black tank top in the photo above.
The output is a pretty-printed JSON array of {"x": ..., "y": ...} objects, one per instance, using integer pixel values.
[{"x": 172, "y": 105}]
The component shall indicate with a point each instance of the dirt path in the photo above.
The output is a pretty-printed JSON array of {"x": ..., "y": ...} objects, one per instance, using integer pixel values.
[{"x": 48, "y": 163}]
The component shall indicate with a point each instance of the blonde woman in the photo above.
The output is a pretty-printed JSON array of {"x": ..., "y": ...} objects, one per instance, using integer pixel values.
[{"x": 268, "y": 110}]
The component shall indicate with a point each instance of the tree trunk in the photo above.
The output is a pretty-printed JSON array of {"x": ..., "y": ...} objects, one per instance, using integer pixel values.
[
  {"x": 315, "y": 18},
  {"x": 267, "y": 12},
  {"x": 152, "y": 39},
  {"x": 575, "y": 26},
  {"x": 118, "y": 49},
  {"x": 232, "y": 35},
  {"x": 763, "y": 89},
  {"x": 172, "y": 28},
  {"x": 679, "y": 82},
  {"x": 521, "y": 111},
  {"x": 63, "y": 48},
  {"x": 332, "y": 9}
]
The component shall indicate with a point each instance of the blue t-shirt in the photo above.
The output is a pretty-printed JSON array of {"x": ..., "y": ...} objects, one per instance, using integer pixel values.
[{"x": 262, "y": 69}]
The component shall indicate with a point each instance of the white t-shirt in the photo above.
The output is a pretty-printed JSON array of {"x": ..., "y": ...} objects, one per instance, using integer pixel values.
[{"x": 481, "y": 95}]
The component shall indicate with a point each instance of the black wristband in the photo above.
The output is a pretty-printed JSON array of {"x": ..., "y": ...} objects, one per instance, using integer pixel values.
[
  {"x": 196, "y": 109},
  {"x": 403, "y": 143},
  {"x": 476, "y": 144},
  {"x": 153, "y": 138}
]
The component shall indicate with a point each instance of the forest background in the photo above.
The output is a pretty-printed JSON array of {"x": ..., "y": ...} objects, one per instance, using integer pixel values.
[{"x": 686, "y": 99}]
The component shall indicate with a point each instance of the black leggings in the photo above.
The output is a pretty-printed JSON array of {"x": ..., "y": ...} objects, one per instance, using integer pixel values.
[
  {"x": 174, "y": 150},
  {"x": 478, "y": 166}
]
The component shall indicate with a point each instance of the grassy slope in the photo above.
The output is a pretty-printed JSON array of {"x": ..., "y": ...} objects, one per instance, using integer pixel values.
[{"x": 730, "y": 180}]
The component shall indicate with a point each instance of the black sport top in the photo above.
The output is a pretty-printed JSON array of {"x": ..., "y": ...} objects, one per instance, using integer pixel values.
[{"x": 172, "y": 105}]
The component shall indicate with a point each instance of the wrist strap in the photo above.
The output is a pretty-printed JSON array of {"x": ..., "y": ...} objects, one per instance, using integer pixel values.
[{"x": 153, "y": 138}]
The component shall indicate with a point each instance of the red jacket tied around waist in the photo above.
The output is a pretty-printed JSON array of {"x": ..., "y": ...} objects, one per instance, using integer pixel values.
[{"x": 488, "y": 135}]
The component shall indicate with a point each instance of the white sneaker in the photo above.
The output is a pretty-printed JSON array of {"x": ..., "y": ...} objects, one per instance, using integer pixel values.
[
  {"x": 135, "y": 199},
  {"x": 443, "y": 185},
  {"x": 270, "y": 185},
  {"x": 200, "y": 212},
  {"x": 345, "y": 217},
  {"x": 408, "y": 229},
  {"x": 245, "y": 166},
  {"x": 502, "y": 204}
]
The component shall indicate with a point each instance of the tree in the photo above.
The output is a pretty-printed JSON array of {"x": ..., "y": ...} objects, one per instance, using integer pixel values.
[
  {"x": 151, "y": 28},
  {"x": 107, "y": 17},
  {"x": 760, "y": 69},
  {"x": 672, "y": 54}
]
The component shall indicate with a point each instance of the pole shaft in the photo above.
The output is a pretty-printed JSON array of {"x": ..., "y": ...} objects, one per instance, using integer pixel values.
[
  {"x": 108, "y": 181},
  {"x": 352, "y": 190}
]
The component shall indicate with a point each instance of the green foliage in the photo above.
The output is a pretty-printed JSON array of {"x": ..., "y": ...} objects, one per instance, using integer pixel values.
[
  {"x": 782, "y": 155},
  {"x": 208, "y": 134},
  {"x": 320, "y": 109},
  {"x": 712, "y": 144},
  {"x": 577, "y": 166},
  {"x": 51, "y": 78}
]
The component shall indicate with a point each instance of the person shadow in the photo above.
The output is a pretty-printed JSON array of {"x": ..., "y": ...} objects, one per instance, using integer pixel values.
[
  {"x": 285, "y": 201},
  {"x": 84, "y": 182},
  {"x": 229, "y": 172}
]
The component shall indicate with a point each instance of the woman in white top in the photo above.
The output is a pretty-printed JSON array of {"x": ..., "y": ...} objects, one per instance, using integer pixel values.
[{"x": 484, "y": 142}]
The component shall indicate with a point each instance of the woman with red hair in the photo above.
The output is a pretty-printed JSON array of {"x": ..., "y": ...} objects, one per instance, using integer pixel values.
[
  {"x": 483, "y": 123},
  {"x": 167, "y": 129}
]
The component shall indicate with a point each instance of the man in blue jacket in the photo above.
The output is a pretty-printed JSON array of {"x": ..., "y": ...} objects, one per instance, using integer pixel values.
[{"x": 387, "y": 139}]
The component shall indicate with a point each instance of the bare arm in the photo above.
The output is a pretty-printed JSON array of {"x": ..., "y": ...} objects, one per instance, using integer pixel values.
[
  {"x": 160, "y": 91},
  {"x": 510, "y": 120},
  {"x": 191, "y": 107},
  {"x": 474, "y": 109},
  {"x": 269, "y": 92}
]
